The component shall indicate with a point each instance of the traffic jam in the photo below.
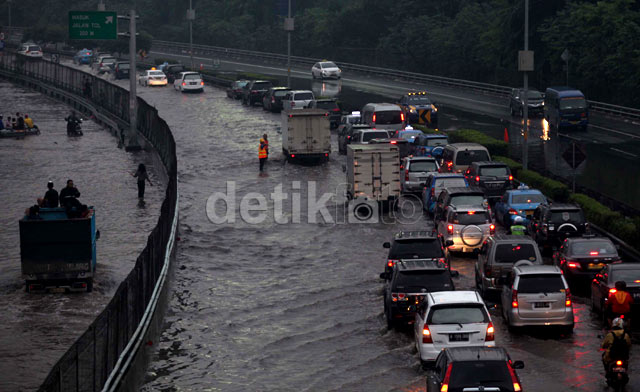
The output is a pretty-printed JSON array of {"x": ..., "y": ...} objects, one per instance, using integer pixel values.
[{"x": 530, "y": 256}]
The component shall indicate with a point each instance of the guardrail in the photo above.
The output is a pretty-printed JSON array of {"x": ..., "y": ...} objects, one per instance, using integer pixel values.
[{"x": 103, "y": 356}]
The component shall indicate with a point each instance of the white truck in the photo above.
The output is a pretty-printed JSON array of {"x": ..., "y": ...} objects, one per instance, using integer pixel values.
[
  {"x": 306, "y": 134},
  {"x": 373, "y": 172}
]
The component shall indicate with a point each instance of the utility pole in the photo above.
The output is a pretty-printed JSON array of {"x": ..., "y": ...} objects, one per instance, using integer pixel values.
[
  {"x": 133, "y": 95},
  {"x": 288, "y": 26},
  {"x": 191, "y": 15},
  {"x": 101, "y": 6},
  {"x": 525, "y": 68}
]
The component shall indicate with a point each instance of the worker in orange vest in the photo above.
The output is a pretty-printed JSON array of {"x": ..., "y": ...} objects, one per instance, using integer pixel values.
[
  {"x": 263, "y": 151},
  {"x": 619, "y": 303}
]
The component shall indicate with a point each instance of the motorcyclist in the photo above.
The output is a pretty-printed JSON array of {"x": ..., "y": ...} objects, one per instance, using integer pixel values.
[
  {"x": 619, "y": 303},
  {"x": 72, "y": 123},
  {"x": 616, "y": 344},
  {"x": 517, "y": 228}
]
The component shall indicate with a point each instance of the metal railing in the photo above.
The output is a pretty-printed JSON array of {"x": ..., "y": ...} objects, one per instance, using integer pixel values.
[{"x": 102, "y": 355}]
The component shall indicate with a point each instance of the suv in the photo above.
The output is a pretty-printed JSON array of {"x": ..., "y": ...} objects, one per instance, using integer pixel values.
[
  {"x": 461, "y": 369},
  {"x": 253, "y": 91},
  {"x": 451, "y": 319},
  {"x": 494, "y": 178},
  {"x": 188, "y": 81},
  {"x": 419, "y": 109},
  {"x": 467, "y": 226},
  {"x": 172, "y": 71},
  {"x": 497, "y": 256},
  {"x": 408, "y": 283},
  {"x": 105, "y": 64},
  {"x": 469, "y": 196},
  {"x": 365, "y": 135},
  {"x": 535, "y": 102},
  {"x": 331, "y": 106},
  {"x": 537, "y": 295},
  {"x": 435, "y": 183},
  {"x": 416, "y": 170},
  {"x": 346, "y": 133},
  {"x": 121, "y": 70},
  {"x": 430, "y": 144},
  {"x": 457, "y": 157},
  {"x": 297, "y": 99},
  {"x": 580, "y": 258},
  {"x": 550, "y": 224},
  {"x": 272, "y": 99},
  {"x": 411, "y": 245}
]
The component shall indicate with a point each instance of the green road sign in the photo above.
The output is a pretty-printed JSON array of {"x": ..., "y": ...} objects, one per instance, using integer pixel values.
[{"x": 93, "y": 25}]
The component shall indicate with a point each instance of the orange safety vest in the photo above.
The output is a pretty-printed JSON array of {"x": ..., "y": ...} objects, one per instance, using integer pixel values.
[{"x": 262, "y": 149}]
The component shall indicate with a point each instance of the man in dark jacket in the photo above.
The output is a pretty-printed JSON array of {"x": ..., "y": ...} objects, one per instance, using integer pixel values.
[
  {"x": 50, "y": 199},
  {"x": 69, "y": 196}
]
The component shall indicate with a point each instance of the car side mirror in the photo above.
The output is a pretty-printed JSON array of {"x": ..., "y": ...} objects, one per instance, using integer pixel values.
[
  {"x": 386, "y": 245},
  {"x": 384, "y": 275},
  {"x": 448, "y": 243},
  {"x": 518, "y": 365},
  {"x": 454, "y": 274}
]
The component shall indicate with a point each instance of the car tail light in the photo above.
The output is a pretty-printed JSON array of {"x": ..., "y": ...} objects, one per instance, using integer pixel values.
[
  {"x": 401, "y": 116},
  {"x": 477, "y": 178},
  {"x": 512, "y": 211},
  {"x": 618, "y": 363},
  {"x": 514, "y": 299},
  {"x": 567, "y": 298},
  {"x": 374, "y": 118},
  {"x": 202, "y": 83},
  {"x": 293, "y": 104},
  {"x": 426, "y": 334},
  {"x": 394, "y": 142},
  {"x": 612, "y": 291},
  {"x": 254, "y": 91},
  {"x": 445, "y": 382},
  {"x": 293, "y": 155},
  {"x": 336, "y": 109},
  {"x": 391, "y": 263},
  {"x": 490, "y": 337},
  {"x": 573, "y": 264},
  {"x": 273, "y": 99},
  {"x": 184, "y": 84},
  {"x": 594, "y": 253},
  {"x": 395, "y": 297},
  {"x": 450, "y": 229},
  {"x": 583, "y": 114},
  {"x": 433, "y": 192},
  {"x": 442, "y": 260},
  {"x": 406, "y": 175},
  {"x": 492, "y": 229},
  {"x": 510, "y": 178},
  {"x": 514, "y": 379}
]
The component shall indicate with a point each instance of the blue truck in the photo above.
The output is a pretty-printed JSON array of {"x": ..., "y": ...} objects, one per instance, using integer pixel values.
[{"x": 58, "y": 253}]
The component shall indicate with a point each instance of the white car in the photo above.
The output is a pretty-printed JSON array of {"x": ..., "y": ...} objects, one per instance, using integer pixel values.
[
  {"x": 153, "y": 78},
  {"x": 106, "y": 64},
  {"x": 451, "y": 319},
  {"x": 189, "y": 81},
  {"x": 30, "y": 50},
  {"x": 325, "y": 70},
  {"x": 297, "y": 99}
]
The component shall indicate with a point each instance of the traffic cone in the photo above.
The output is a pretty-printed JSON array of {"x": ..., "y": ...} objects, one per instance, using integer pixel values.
[{"x": 506, "y": 135}]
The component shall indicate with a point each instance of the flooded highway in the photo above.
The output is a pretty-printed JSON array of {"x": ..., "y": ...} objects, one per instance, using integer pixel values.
[
  {"x": 293, "y": 301},
  {"x": 36, "y": 329}
]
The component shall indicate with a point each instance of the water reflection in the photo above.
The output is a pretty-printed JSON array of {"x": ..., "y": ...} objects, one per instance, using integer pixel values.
[
  {"x": 326, "y": 88},
  {"x": 545, "y": 130}
]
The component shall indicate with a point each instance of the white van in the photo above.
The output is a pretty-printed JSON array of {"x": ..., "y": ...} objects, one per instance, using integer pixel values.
[
  {"x": 383, "y": 116},
  {"x": 297, "y": 99},
  {"x": 457, "y": 157}
]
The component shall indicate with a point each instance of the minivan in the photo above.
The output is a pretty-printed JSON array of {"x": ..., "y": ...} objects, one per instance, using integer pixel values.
[
  {"x": 297, "y": 99},
  {"x": 383, "y": 116},
  {"x": 457, "y": 157},
  {"x": 566, "y": 107}
]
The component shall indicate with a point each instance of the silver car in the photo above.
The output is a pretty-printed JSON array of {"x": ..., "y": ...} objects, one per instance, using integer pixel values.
[
  {"x": 467, "y": 226},
  {"x": 537, "y": 295},
  {"x": 416, "y": 170}
]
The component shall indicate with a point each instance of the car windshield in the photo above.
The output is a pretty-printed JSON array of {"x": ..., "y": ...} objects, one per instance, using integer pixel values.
[
  {"x": 353, "y": 119},
  {"x": 480, "y": 373},
  {"x": 423, "y": 166},
  {"x": 467, "y": 200},
  {"x": 280, "y": 93},
  {"x": 328, "y": 64},
  {"x": 419, "y": 100},
  {"x": 434, "y": 142},
  {"x": 192, "y": 77},
  {"x": 388, "y": 117},
  {"x": 426, "y": 248},
  {"x": 560, "y": 217},
  {"x": 108, "y": 60},
  {"x": 124, "y": 66},
  {"x": 261, "y": 86},
  {"x": 626, "y": 275},
  {"x": 374, "y": 135},
  {"x": 241, "y": 83},
  {"x": 34, "y": 49},
  {"x": 510, "y": 253},
  {"x": 175, "y": 68},
  {"x": 326, "y": 105},
  {"x": 303, "y": 96},
  {"x": 534, "y": 95},
  {"x": 527, "y": 198},
  {"x": 495, "y": 171},
  {"x": 593, "y": 248},
  {"x": 450, "y": 183},
  {"x": 573, "y": 103},
  {"x": 458, "y": 314},
  {"x": 470, "y": 218},
  {"x": 540, "y": 283},
  {"x": 467, "y": 157},
  {"x": 408, "y": 135},
  {"x": 429, "y": 280},
  {"x": 156, "y": 73}
]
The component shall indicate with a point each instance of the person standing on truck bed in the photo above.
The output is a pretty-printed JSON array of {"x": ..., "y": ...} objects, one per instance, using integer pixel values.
[
  {"x": 50, "y": 199},
  {"x": 263, "y": 151}
]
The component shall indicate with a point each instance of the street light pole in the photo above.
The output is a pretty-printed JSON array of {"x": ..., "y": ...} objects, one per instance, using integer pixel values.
[
  {"x": 191, "y": 16},
  {"x": 289, "y": 48},
  {"x": 133, "y": 95},
  {"x": 9, "y": 11},
  {"x": 525, "y": 110}
]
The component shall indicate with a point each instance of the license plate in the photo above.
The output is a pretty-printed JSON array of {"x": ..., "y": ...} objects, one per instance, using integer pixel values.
[
  {"x": 458, "y": 337},
  {"x": 619, "y": 370},
  {"x": 529, "y": 213},
  {"x": 193, "y": 83},
  {"x": 541, "y": 304},
  {"x": 495, "y": 184},
  {"x": 57, "y": 290},
  {"x": 596, "y": 266}
]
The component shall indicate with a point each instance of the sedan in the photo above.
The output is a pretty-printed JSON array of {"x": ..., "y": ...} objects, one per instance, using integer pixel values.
[
  {"x": 325, "y": 70},
  {"x": 83, "y": 56},
  {"x": 580, "y": 258},
  {"x": 518, "y": 202},
  {"x": 153, "y": 78}
]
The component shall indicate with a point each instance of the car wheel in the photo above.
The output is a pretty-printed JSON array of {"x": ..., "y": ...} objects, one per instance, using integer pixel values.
[
  {"x": 426, "y": 365},
  {"x": 387, "y": 316}
]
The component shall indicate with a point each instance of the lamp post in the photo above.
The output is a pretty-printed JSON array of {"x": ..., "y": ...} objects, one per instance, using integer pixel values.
[
  {"x": 525, "y": 110},
  {"x": 289, "y": 28},
  {"x": 191, "y": 15}
]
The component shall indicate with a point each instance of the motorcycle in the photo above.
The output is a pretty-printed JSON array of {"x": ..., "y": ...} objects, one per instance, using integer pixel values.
[
  {"x": 617, "y": 375},
  {"x": 73, "y": 126}
]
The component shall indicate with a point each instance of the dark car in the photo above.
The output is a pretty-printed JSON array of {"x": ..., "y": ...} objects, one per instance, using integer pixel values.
[
  {"x": 535, "y": 102},
  {"x": 235, "y": 90},
  {"x": 580, "y": 258},
  {"x": 345, "y": 135},
  {"x": 411, "y": 245},
  {"x": 494, "y": 178},
  {"x": 331, "y": 106},
  {"x": 121, "y": 70},
  {"x": 253, "y": 91},
  {"x": 172, "y": 71},
  {"x": 458, "y": 196},
  {"x": 550, "y": 224},
  {"x": 459, "y": 369},
  {"x": 408, "y": 283},
  {"x": 272, "y": 99},
  {"x": 419, "y": 109},
  {"x": 605, "y": 282}
]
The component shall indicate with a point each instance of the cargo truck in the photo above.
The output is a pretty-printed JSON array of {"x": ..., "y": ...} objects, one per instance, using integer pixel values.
[
  {"x": 373, "y": 172},
  {"x": 306, "y": 134},
  {"x": 58, "y": 253}
]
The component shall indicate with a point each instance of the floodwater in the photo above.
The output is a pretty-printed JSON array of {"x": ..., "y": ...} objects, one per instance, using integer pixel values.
[{"x": 37, "y": 329}]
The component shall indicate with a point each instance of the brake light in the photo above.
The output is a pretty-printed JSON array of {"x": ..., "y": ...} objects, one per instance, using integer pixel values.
[
  {"x": 514, "y": 379},
  {"x": 442, "y": 260},
  {"x": 450, "y": 229},
  {"x": 490, "y": 337},
  {"x": 492, "y": 229},
  {"x": 401, "y": 116},
  {"x": 445, "y": 382},
  {"x": 273, "y": 100},
  {"x": 477, "y": 178},
  {"x": 433, "y": 192},
  {"x": 471, "y": 212},
  {"x": 374, "y": 118},
  {"x": 510, "y": 178},
  {"x": 254, "y": 91},
  {"x": 426, "y": 334},
  {"x": 394, "y": 142},
  {"x": 583, "y": 115},
  {"x": 391, "y": 263},
  {"x": 619, "y": 363},
  {"x": 406, "y": 174},
  {"x": 512, "y": 211},
  {"x": 612, "y": 291},
  {"x": 514, "y": 299},
  {"x": 293, "y": 155},
  {"x": 336, "y": 109},
  {"x": 573, "y": 265},
  {"x": 202, "y": 83},
  {"x": 595, "y": 253},
  {"x": 184, "y": 84},
  {"x": 567, "y": 298},
  {"x": 395, "y": 297}
]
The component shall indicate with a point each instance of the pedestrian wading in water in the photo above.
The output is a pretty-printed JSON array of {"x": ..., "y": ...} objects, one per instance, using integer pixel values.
[{"x": 142, "y": 176}]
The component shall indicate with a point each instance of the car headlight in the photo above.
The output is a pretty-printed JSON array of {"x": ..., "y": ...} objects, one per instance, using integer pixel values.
[{"x": 413, "y": 110}]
